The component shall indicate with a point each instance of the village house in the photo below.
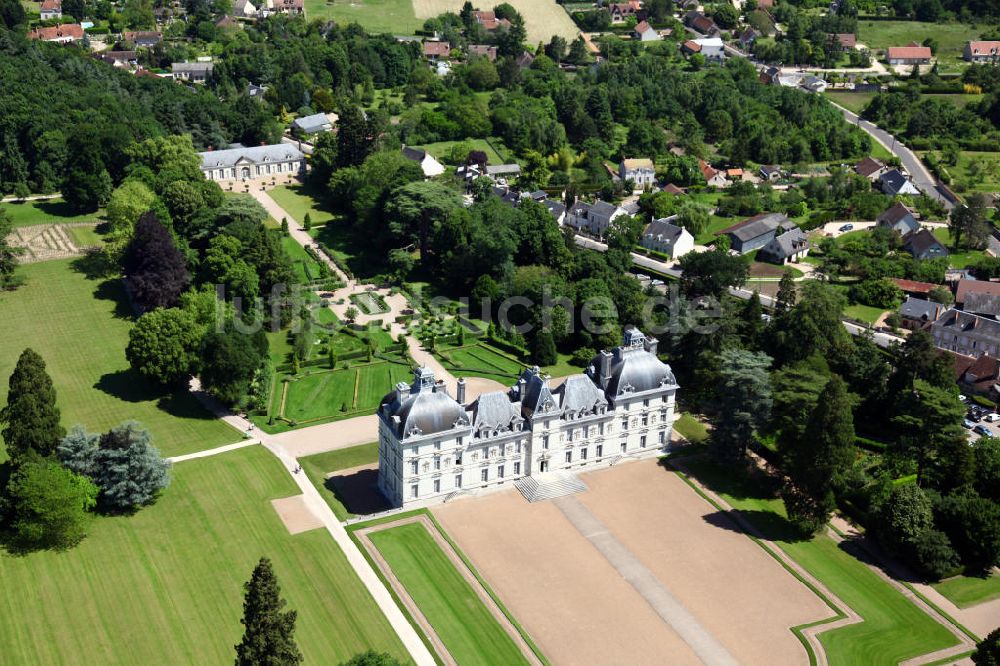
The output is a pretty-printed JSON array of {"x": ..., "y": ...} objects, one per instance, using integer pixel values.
[
  {"x": 713, "y": 177},
  {"x": 436, "y": 50},
  {"x": 253, "y": 163},
  {"x": 978, "y": 296},
  {"x": 982, "y": 51},
  {"x": 664, "y": 236},
  {"x": 770, "y": 172},
  {"x": 50, "y": 9},
  {"x": 489, "y": 21},
  {"x": 432, "y": 446},
  {"x": 924, "y": 245},
  {"x": 757, "y": 231},
  {"x": 711, "y": 48},
  {"x": 770, "y": 76},
  {"x": 747, "y": 37},
  {"x": 227, "y": 22},
  {"x": 644, "y": 32},
  {"x": 978, "y": 375},
  {"x": 483, "y": 51},
  {"x": 144, "y": 39},
  {"x": 966, "y": 334},
  {"x": 913, "y": 287},
  {"x": 123, "y": 59},
  {"x": 293, "y": 7},
  {"x": 60, "y": 34},
  {"x": 621, "y": 11},
  {"x": 670, "y": 188},
  {"x": 789, "y": 247},
  {"x": 430, "y": 166},
  {"x": 245, "y": 8},
  {"x": 870, "y": 168},
  {"x": 594, "y": 218},
  {"x": 194, "y": 72},
  {"x": 893, "y": 182},
  {"x": 845, "y": 42},
  {"x": 918, "y": 314},
  {"x": 913, "y": 54},
  {"x": 640, "y": 171},
  {"x": 698, "y": 22},
  {"x": 900, "y": 218}
]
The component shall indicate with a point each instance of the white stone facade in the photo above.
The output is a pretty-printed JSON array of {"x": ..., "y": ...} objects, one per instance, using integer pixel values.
[
  {"x": 253, "y": 163},
  {"x": 432, "y": 445}
]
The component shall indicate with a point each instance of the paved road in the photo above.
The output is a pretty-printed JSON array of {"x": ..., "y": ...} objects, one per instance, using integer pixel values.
[{"x": 922, "y": 178}]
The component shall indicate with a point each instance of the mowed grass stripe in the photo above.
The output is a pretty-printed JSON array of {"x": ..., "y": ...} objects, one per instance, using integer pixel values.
[
  {"x": 80, "y": 327},
  {"x": 165, "y": 586},
  {"x": 468, "y": 629},
  {"x": 894, "y": 628}
]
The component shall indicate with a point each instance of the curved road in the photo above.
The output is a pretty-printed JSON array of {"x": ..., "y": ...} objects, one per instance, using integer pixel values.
[{"x": 922, "y": 178}]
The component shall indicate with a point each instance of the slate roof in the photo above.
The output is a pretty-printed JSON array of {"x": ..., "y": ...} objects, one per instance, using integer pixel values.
[
  {"x": 495, "y": 411},
  {"x": 893, "y": 181},
  {"x": 899, "y": 217},
  {"x": 603, "y": 208},
  {"x": 533, "y": 392},
  {"x": 555, "y": 208},
  {"x": 982, "y": 303},
  {"x": 982, "y": 328},
  {"x": 193, "y": 67},
  {"x": 920, "y": 309},
  {"x": 503, "y": 169},
  {"x": 924, "y": 242},
  {"x": 579, "y": 394},
  {"x": 758, "y": 225},
  {"x": 785, "y": 245},
  {"x": 632, "y": 368},
  {"x": 279, "y": 152},
  {"x": 868, "y": 166},
  {"x": 421, "y": 408},
  {"x": 663, "y": 228},
  {"x": 317, "y": 122}
]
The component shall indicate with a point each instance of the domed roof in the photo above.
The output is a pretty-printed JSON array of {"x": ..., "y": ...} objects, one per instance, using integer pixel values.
[
  {"x": 422, "y": 408},
  {"x": 632, "y": 367}
]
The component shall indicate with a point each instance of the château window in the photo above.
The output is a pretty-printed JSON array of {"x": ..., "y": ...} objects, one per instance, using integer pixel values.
[
  {"x": 484, "y": 474},
  {"x": 458, "y": 480},
  {"x": 600, "y": 450},
  {"x": 642, "y": 442},
  {"x": 437, "y": 485},
  {"x": 517, "y": 468},
  {"x": 413, "y": 467},
  {"x": 437, "y": 462},
  {"x": 414, "y": 490},
  {"x": 583, "y": 453},
  {"x": 569, "y": 456}
]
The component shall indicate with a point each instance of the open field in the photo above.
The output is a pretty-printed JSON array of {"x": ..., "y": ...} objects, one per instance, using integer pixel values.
[
  {"x": 469, "y": 631},
  {"x": 46, "y": 211},
  {"x": 978, "y": 171},
  {"x": 951, "y": 37},
  {"x": 965, "y": 591},
  {"x": 297, "y": 200},
  {"x": 318, "y": 467},
  {"x": 377, "y": 16},
  {"x": 480, "y": 360},
  {"x": 542, "y": 18},
  {"x": 851, "y": 101},
  {"x": 441, "y": 149},
  {"x": 535, "y": 560},
  {"x": 165, "y": 586},
  {"x": 80, "y": 327},
  {"x": 894, "y": 629}
]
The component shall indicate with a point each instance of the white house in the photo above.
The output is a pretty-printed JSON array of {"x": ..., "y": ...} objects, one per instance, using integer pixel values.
[
  {"x": 195, "y": 72},
  {"x": 253, "y": 163},
  {"x": 50, "y": 9},
  {"x": 664, "y": 236},
  {"x": 640, "y": 171},
  {"x": 430, "y": 166},
  {"x": 979, "y": 51},
  {"x": 712, "y": 48},
  {"x": 643, "y": 32},
  {"x": 594, "y": 218},
  {"x": 432, "y": 445}
]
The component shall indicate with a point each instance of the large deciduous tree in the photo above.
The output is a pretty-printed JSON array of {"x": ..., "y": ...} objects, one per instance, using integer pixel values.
[
  {"x": 744, "y": 402},
  {"x": 269, "y": 634},
  {"x": 711, "y": 273},
  {"x": 8, "y": 253},
  {"x": 49, "y": 506},
  {"x": 31, "y": 417},
  {"x": 230, "y": 359},
  {"x": 155, "y": 269},
  {"x": 164, "y": 345}
]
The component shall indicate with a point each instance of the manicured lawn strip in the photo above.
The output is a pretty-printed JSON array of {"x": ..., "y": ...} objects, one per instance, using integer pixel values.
[
  {"x": 297, "y": 200},
  {"x": 300, "y": 260},
  {"x": 46, "y": 211},
  {"x": 894, "y": 628},
  {"x": 965, "y": 591},
  {"x": 176, "y": 570},
  {"x": 465, "y": 625},
  {"x": 377, "y": 16},
  {"x": 80, "y": 327},
  {"x": 852, "y": 101},
  {"x": 692, "y": 430},
  {"x": 481, "y": 360},
  {"x": 562, "y": 367},
  {"x": 441, "y": 149},
  {"x": 318, "y": 466},
  {"x": 865, "y": 313},
  {"x": 84, "y": 236}
]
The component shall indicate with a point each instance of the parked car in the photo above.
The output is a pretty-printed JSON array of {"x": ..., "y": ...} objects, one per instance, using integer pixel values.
[
  {"x": 846, "y": 227},
  {"x": 657, "y": 283},
  {"x": 962, "y": 398},
  {"x": 974, "y": 416},
  {"x": 967, "y": 424},
  {"x": 982, "y": 430},
  {"x": 993, "y": 417}
]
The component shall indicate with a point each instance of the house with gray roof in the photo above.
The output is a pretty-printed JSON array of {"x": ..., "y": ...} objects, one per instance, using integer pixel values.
[
  {"x": 924, "y": 245},
  {"x": 253, "y": 163},
  {"x": 593, "y": 218},
  {"x": 433, "y": 446},
  {"x": 428, "y": 164},
  {"x": 788, "y": 247},
  {"x": 757, "y": 231},
  {"x": 966, "y": 333},
  {"x": 664, "y": 236},
  {"x": 919, "y": 313},
  {"x": 893, "y": 182},
  {"x": 900, "y": 218},
  {"x": 314, "y": 124},
  {"x": 194, "y": 72},
  {"x": 641, "y": 171}
]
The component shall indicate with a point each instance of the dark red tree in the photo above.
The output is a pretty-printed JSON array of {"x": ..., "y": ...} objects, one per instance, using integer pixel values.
[{"x": 155, "y": 269}]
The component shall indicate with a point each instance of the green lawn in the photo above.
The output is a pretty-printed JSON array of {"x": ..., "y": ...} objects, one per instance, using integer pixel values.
[
  {"x": 865, "y": 313},
  {"x": 80, "y": 327},
  {"x": 951, "y": 37},
  {"x": 47, "y": 211},
  {"x": 562, "y": 367},
  {"x": 691, "y": 429},
  {"x": 165, "y": 586},
  {"x": 978, "y": 171},
  {"x": 85, "y": 236},
  {"x": 960, "y": 101},
  {"x": 715, "y": 225},
  {"x": 965, "y": 591},
  {"x": 324, "y": 394},
  {"x": 441, "y": 149},
  {"x": 465, "y": 625},
  {"x": 851, "y": 101},
  {"x": 297, "y": 200},
  {"x": 480, "y": 360},
  {"x": 393, "y": 16},
  {"x": 318, "y": 466},
  {"x": 894, "y": 629},
  {"x": 957, "y": 259},
  {"x": 350, "y": 249},
  {"x": 306, "y": 268}
]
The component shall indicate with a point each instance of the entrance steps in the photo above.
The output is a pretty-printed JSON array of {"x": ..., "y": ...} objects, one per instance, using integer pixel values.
[{"x": 548, "y": 485}]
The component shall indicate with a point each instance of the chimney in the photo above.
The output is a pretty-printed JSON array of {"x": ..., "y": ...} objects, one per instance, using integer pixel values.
[
  {"x": 605, "y": 367},
  {"x": 521, "y": 384},
  {"x": 460, "y": 391},
  {"x": 651, "y": 344}
]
